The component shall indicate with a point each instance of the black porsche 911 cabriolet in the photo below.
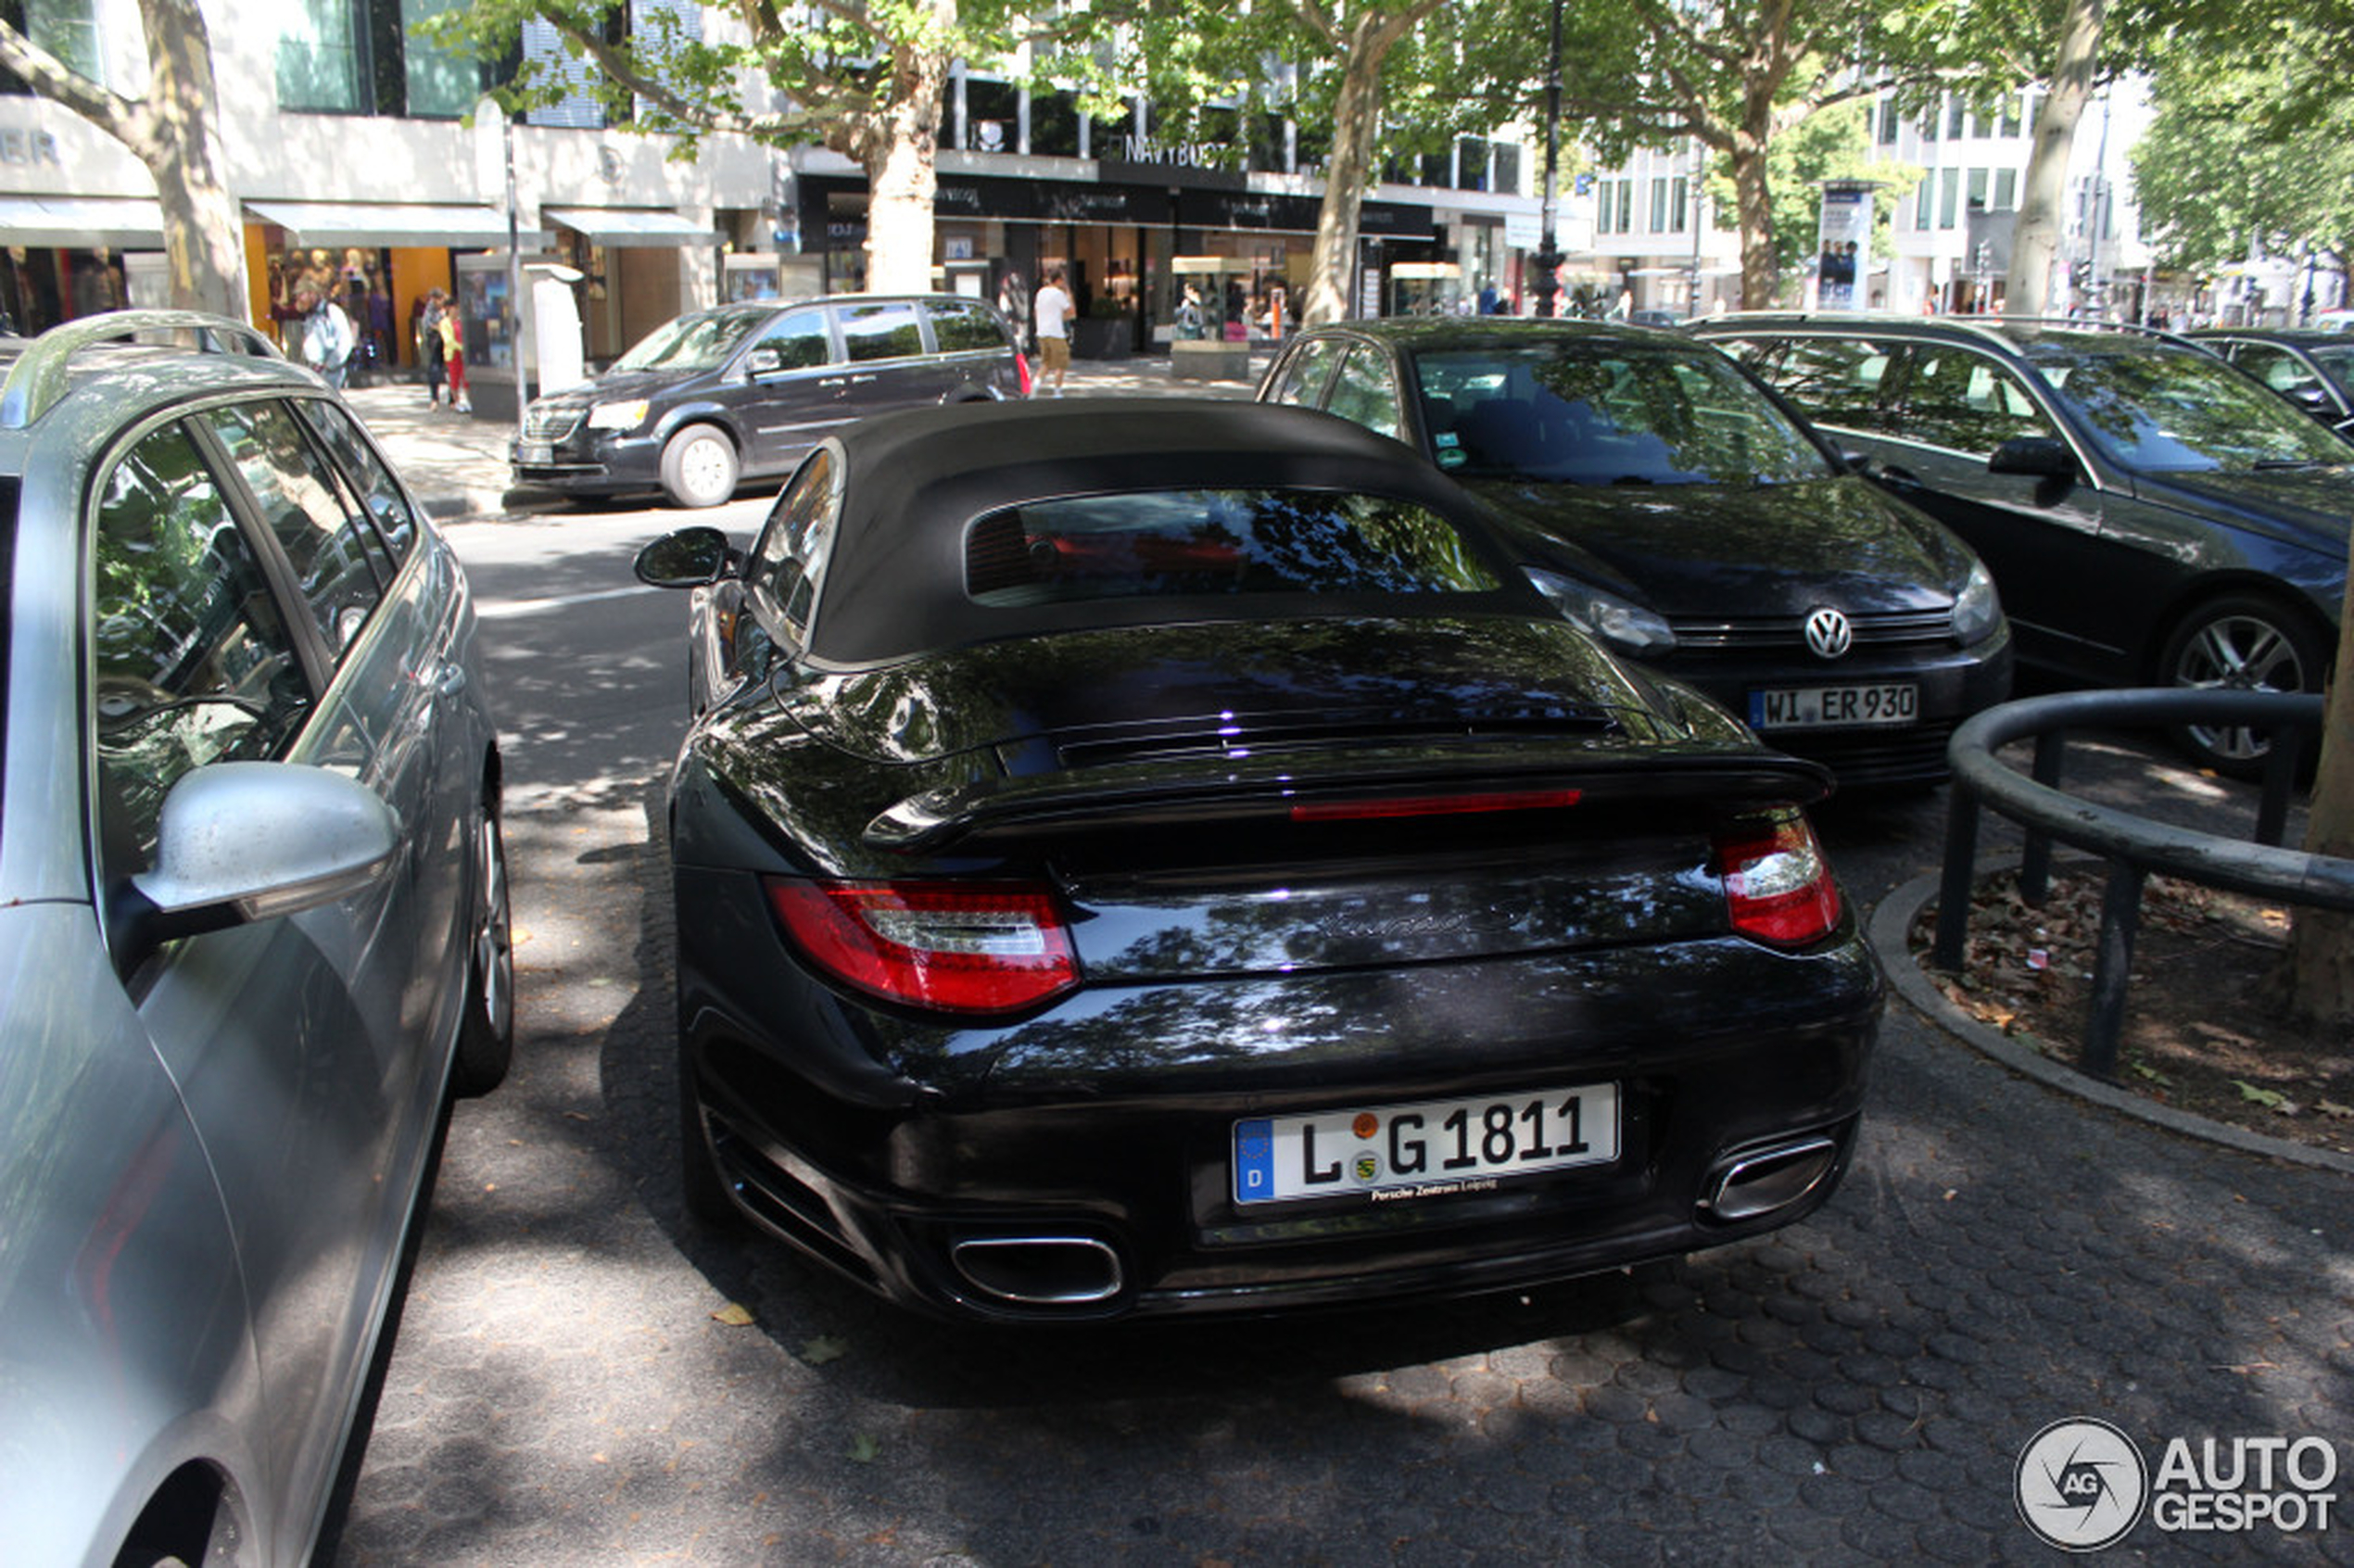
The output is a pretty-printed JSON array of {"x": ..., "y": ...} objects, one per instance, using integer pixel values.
[{"x": 1146, "y": 857}]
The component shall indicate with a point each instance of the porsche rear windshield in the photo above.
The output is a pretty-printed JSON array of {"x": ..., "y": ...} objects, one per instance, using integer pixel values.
[{"x": 1214, "y": 542}]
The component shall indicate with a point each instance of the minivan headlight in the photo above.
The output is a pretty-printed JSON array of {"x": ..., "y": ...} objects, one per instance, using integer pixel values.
[
  {"x": 618, "y": 416},
  {"x": 1978, "y": 610},
  {"x": 1625, "y": 625}
]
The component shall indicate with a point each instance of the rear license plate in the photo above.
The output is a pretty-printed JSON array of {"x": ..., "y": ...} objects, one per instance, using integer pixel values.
[
  {"x": 534, "y": 452},
  {"x": 1817, "y": 707},
  {"x": 1426, "y": 1149}
]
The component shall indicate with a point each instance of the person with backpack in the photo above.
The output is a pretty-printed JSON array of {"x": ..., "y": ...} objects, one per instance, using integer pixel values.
[{"x": 327, "y": 337}]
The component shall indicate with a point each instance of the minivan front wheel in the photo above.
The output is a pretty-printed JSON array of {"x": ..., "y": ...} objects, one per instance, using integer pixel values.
[
  {"x": 699, "y": 466},
  {"x": 2240, "y": 643}
]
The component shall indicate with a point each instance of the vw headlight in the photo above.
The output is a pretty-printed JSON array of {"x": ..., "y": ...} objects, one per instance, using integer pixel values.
[
  {"x": 1626, "y": 626},
  {"x": 1978, "y": 610},
  {"x": 618, "y": 416}
]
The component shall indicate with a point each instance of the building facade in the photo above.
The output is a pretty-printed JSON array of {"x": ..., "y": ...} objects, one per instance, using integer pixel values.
[{"x": 346, "y": 149}]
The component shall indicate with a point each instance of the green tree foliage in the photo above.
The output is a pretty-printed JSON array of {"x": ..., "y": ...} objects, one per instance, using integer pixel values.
[
  {"x": 2227, "y": 162},
  {"x": 864, "y": 78},
  {"x": 1362, "y": 78},
  {"x": 1737, "y": 75}
]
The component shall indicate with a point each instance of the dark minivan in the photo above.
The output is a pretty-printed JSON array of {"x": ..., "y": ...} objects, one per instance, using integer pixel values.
[{"x": 744, "y": 391}]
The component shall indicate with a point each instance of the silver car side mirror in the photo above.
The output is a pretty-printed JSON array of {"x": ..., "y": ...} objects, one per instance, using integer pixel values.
[{"x": 254, "y": 840}]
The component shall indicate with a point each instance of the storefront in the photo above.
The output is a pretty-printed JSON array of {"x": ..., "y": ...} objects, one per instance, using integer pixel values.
[
  {"x": 1116, "y": 242},
  {"x": 63, "y": 256},
  {"x": 628, "y": 258},
  {"x": 377, "y": 259}
]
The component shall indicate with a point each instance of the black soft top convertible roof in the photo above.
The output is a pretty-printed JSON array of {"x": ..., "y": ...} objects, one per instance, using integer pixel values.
[{"x": 912, "y": 483}]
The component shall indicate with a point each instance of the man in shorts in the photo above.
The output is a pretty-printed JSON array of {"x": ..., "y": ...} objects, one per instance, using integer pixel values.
[{"x": 1051, "y": 313}]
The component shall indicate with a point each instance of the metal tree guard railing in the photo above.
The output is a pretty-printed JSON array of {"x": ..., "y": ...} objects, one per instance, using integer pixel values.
[{"x": 2135, "y": 847}]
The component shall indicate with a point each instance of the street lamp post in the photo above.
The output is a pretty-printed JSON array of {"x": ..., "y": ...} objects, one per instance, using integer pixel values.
[{"x": 1549, "y": 254}]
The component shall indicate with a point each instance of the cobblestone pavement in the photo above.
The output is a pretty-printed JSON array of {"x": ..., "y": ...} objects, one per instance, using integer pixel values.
[{"x": 1855, "y": 1389}]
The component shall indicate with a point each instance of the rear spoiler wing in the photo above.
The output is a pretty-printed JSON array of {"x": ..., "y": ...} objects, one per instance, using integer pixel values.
[{"x": 988, "y": 807}]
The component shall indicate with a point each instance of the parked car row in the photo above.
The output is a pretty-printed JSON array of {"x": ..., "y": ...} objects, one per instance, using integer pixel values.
[{"x": 1130, "y": 858}]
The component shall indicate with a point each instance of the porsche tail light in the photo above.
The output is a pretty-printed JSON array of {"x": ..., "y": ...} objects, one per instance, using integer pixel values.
[
  {"x": 1777, "y": 883},
  {"x": 951, "y": 947}
]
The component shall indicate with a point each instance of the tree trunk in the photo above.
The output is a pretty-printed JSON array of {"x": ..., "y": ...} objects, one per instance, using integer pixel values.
[
  {"x": 2321, "y": 947},
  {"x": 900, "y": 149},
  {"x": 1356, "y": 117},
  {"x": 1754, "y": 206},
  {"x": 2036, "y": 241},
  {"x": 203, "y": 240}
]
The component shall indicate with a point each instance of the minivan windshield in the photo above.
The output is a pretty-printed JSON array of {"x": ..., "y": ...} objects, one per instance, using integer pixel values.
[
  {"x": 1589, "y": 415},
  {"x": 698, "y": 342},
  {"x": 2166, "y": 411}
]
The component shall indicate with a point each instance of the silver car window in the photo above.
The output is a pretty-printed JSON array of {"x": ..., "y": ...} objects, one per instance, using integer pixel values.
[
  {"x": 391, "y": 509},
  {"x": 191, "y": 662},
  {"x": 326, "y": 541}
]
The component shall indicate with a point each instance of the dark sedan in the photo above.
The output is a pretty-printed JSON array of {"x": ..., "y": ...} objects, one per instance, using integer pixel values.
[
  {"x": 1679, "y": 513},
  {"x": 2151, "y": 517},
  {"x": 1164, "y": 857}
]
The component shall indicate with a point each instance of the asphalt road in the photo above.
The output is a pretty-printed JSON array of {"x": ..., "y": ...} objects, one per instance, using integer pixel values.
[{"x": 567, "y": 1388}]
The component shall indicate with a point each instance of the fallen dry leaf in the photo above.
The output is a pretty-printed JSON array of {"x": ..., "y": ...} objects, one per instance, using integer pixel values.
[{"x": 733, "y": 1315}]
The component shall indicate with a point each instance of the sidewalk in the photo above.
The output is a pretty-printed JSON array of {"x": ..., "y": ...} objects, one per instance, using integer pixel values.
[{"x": 457, "y": 464}]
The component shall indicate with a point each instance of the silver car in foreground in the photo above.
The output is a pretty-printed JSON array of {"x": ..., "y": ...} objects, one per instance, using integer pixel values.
[{"x": 253, "y": 934}]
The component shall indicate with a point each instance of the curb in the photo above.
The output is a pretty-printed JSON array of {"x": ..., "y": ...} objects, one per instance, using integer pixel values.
[{"x": 1893, "y": 919}]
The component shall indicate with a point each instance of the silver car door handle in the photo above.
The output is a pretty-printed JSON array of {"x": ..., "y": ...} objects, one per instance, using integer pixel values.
[{"x": 450, "y": 681}]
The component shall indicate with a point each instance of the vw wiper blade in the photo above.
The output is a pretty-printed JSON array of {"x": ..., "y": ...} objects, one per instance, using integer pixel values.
[{"x": 2274, "y": 465}]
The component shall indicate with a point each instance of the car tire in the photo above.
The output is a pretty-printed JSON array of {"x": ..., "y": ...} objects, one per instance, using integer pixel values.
[
  {"x": 487, "y": 1037},
  {"x": 700, "y": 1183},
  {"x": 2245, "y": 642},
  {"x": 699, "y": 466}
]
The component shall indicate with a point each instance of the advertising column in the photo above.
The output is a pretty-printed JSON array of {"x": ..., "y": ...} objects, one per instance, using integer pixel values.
[{"x": 1844, "y": 258}]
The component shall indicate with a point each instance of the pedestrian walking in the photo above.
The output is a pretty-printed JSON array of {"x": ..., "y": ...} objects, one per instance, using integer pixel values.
[
  {"x": 327, "y": 335},
  {"x": 453, "y": 360},
  {"x": 1049, "y": 315},
  {"x": 429, "y": 346}
]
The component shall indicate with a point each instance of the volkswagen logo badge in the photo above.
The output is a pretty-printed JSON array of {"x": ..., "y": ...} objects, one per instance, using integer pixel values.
[{"x": 1829, "y": 634}]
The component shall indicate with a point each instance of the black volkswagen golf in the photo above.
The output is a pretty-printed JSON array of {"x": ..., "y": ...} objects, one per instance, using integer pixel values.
[
  {"x": 1679, "y": 513},
  {"x": 1164, "y": 855}
]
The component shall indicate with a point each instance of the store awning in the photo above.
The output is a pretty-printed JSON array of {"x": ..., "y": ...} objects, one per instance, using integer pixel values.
[
  {"x": 82, "y": 222},
  {"x": 611, "y": 226},
  {"x": 381, "y": 223}
]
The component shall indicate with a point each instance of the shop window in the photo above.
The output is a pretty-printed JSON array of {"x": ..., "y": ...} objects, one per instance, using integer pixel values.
[
  {"x": 1270, "y": 144},
  {"x": 1508, "y": 168},
  {"x": 68, "y": 28},
  {"x": 1108, "y": 136},
  {"x": 1054, "y": 124},
  {"x": 319, "y": 59},
  {"x": 361, "y": 57},
  {"x": 1471, "y": 163},
  {"x": 992, "y": 115},
  {"x": 439, "y": 82}
]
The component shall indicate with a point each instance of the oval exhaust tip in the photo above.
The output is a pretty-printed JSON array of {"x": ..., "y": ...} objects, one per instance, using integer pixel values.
[
  {"x": 1040, "y": 1271},
  {"x": 1763, "y": 1180}
]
